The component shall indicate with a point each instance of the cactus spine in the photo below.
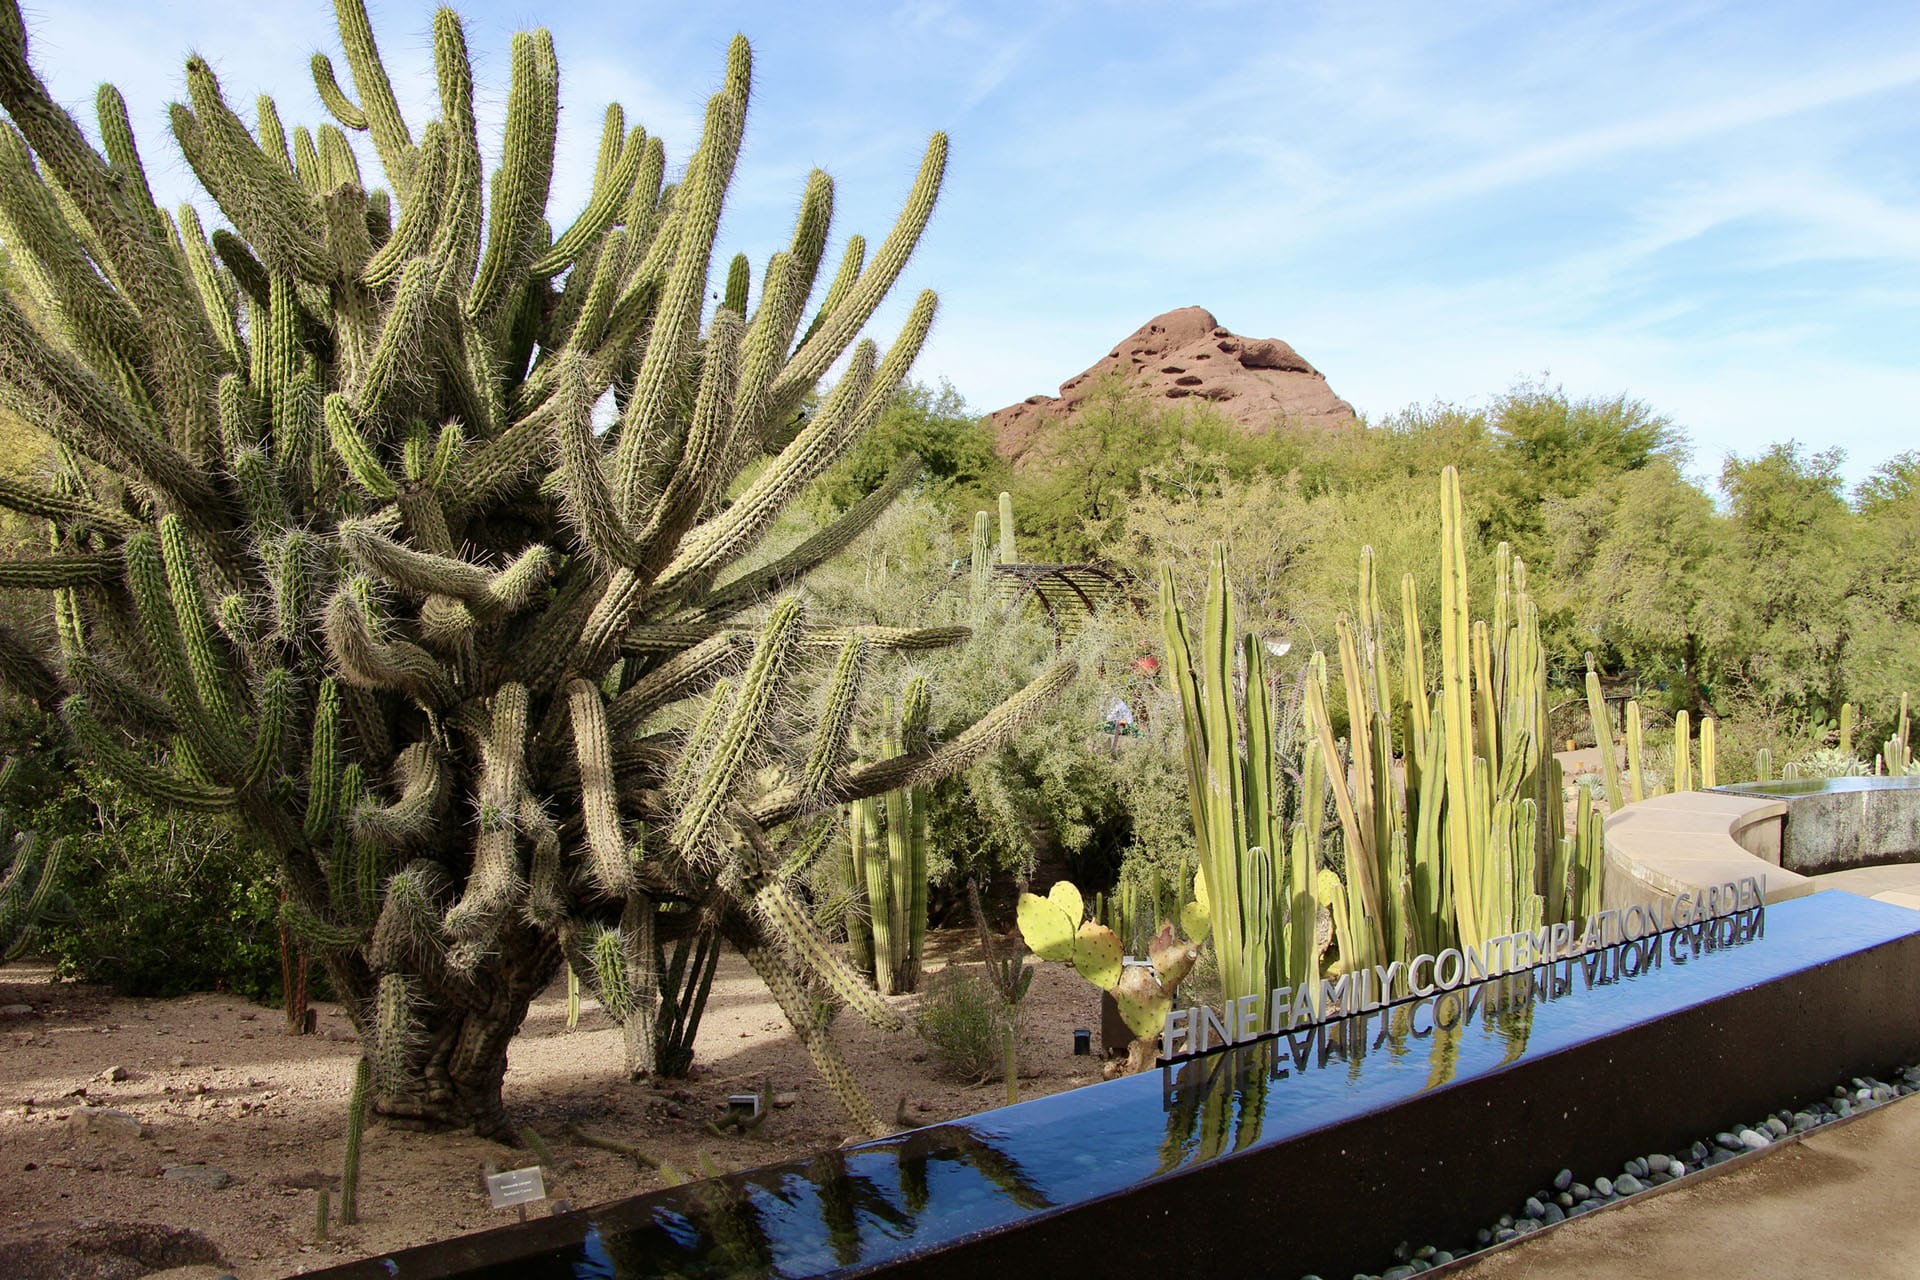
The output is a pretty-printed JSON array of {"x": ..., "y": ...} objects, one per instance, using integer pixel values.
[{"x": 325, "y": 488}]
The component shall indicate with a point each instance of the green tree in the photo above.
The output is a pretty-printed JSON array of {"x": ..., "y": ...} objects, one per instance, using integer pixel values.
[{"x": 955, "y": 449}]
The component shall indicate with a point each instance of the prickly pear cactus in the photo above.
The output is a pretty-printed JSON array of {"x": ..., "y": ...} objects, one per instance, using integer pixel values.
[{"x": 397, "y": 516}]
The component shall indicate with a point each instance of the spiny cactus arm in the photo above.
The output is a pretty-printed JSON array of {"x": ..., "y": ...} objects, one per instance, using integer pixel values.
[
  {"x": 521, "y": 184},
  {"x": 140, "y": 263},
  {"x": 52, "y": 572},
  {"x": 159, "y": 784},
  {"x": 209, "y": 666},
  {"x": 784, "y": 918},
  {"x": 860, "y": 301},
  {"x": 607, "y": 857},
  {"x": 24, "y": 669},
  {"x": 752, "y": 588},
  {"x": 408, "y": 931},
  {"x": 588, "y": 499},
  {"x": 760, "y": 689},
  {"x": 123, "y": 151},
  {"x": 678, "y": 677},
  {"x": 270, "y": 728},
  {"x": 371, "y": 663},
  {"x": 777, "y": 973},
  {"x": 265, "y": 201},
  {"x": 853, "y": 259},
  {"x": 698, "y": 473},
  {"x": 420, "y": 212},
  {"x": 456, "y": 243},
  {"x": 161, "y": 626},
  {"x": 912, "y": 769},
  {"x": 116, "y": 699},
  {"x": 846, "y": 414},
  {"x": 739, "y": 280},
  {"x": 216, "y": 294},
  {"x": 409, "y": 570},
  {"x": 69, "y": 402},
  {"x": 38, "y": 237},
  {"x": 333, "y": 97},
  {"x": 378, "y": 112},
  {"x": 809, "y": 245},
  {"x": 676, "y": 322},
  {"x": 323, "y": 768},
  {"x": 26, "y": 890},
  {"x": 763, "y": 352},
  {"x": 338, "y": 165},
  {"x": 304, "y": 163},
  {"x": 396, "y": 354},
  {"x": 351, "y": 447},
  {"x": 423, "y": 780},
  {"x": 830, "y": 742},
  {"x": 670, "y": 638},
  {"x": 494, "y": 884},
  {"x": 64, "y": 509}
]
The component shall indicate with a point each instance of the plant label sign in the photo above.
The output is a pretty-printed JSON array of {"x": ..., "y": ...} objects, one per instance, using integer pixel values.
[{"x": 516, "y": 1187}]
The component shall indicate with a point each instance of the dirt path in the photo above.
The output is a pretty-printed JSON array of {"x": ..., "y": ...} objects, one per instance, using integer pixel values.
[{"x": 213, "y": 1081}]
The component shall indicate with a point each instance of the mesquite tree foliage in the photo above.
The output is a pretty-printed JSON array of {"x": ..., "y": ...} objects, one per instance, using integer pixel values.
[{"x": 338, "y": 548}]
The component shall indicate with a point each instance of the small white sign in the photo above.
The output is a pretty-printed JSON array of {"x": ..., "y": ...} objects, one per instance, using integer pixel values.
[{"x": 516, "y": 1186}]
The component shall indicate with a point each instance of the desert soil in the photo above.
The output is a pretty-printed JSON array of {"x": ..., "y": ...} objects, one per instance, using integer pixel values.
[{"x": 213, "y": 1080}]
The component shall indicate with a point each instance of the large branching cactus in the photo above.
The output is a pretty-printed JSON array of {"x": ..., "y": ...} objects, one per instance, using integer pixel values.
[{"x": 406, "y": 529}]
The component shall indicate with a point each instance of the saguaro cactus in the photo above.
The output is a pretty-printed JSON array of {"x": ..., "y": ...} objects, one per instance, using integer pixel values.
[{"x": 343, "y": 547}]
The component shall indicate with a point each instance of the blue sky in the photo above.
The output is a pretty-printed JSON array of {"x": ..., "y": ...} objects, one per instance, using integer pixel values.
[{"x": 1714, "y": 208}]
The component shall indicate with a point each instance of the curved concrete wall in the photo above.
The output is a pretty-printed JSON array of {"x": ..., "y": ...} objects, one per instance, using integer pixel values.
[{"x": 1859, "y": 834}]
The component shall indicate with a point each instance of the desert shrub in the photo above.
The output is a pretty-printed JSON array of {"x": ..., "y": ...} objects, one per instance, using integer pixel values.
[
  {"x": 963, "y": 1020},
  {"x": 1830, "y": 762},
  {"x": 162, "y": 905}
]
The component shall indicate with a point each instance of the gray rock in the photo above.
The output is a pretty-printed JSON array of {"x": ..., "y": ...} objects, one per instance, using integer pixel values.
[
  {"x": 1562, "y": 1180},
  {"x": 16, "y": 1011},
  {"x": 1728, "y": 1141},
  {"x": 208, "y": 1177},
  {"x": 1535, "y": 1209},
  {"x": 1881, "y": 1093},
  {"x": 105, "y": 1120},
  {"x": 1603, "y": 1187},
  {"x": 1843, "y": 1108},
  {"x": 1564, "y": 1199},
  {"x": 1697, "y": 1152},
  {"x": 1659, "y": 1163},
  {"x": 1627, "y": 1185},
  {"x": 1553, "y": 1215},
  {"x": 1581, "y": 1191},
  {"x": 1753, "y": 1141},
  {"x": 1505, "y": 1234},
  {"x": 1776, "y": 1126},
  {"x": 1401, "y": 1272},
  {"x": 112, "y": 1075},
  {"x": 1638, "y": 1167},
  {"x": 1678, "y": 1169},
  {"x": 1441, "y": 1257}
]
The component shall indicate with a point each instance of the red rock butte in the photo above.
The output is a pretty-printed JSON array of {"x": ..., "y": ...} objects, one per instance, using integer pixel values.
[{"x": 1261, "y": 384}]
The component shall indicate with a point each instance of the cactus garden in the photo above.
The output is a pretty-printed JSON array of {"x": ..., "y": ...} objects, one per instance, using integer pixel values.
[{"x": 554, "y": 691}]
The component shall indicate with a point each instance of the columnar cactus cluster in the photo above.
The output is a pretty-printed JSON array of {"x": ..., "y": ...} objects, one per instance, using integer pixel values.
[{"x": 400, "y": 525}]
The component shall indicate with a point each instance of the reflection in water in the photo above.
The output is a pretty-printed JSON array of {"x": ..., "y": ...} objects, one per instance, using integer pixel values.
[{"x": 916, "y": 1191}]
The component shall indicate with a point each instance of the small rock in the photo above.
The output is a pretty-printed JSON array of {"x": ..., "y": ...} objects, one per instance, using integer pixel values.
[
  {"x": 16, "y": 1011},
  {"x": 1581, "y": 1191},
  {"x": 1638, "y": 1167},
  {"x": 1659, "y": 1164},
  {"x": 1505, "y": 1234},
  {"x": 1776, "y": 1126},
  {"x": 1728, "y": 1141},
  {"x": 113, "y": 1075},
  {"x": 1752, "y": 1141},
  {"x": 784, "y": 1100},
  {"x": 1441, "y": 1257},
  {"x": 1562, "y": 1180},
  {"x": 1535, "y": 1209},
  {"x": 1627, "y": 1185},
  {"x": 1843, "y": 1108},
  {"x": 1401, "y": 1272},
  {"x": 1881, "y": 1093},
  {"x": 106, "y": 1120},
  {"x": 1678, "y": 1169},
  {"x": 177, "y": 1062},
  {"x": 1564, "y": 1199},
  {"x": 1603, "y": 1187},
  {"x": 1697, "y": 1152},
  {"x": 209, "y": 1177},
  {"x": 1553, "y": 1216}
]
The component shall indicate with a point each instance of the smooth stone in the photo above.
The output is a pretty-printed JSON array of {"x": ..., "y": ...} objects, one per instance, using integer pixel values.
[
  {"x": 1564, "y": 1200},
  {"x": 1679, "y": 1169},
  {"x": 1627, "y": 1185},
  {"x": 1752, "y": 1141},
  {"x": 1843, "y": 1108},
  {"x": 1483, "y": 1236},
  {"x": 1581, "y": 1191},
  {"x": 1525, "y": 1227},
  {"x": 1424, "y": 1253},
  {"x": 1697, "y": 1152},
  {"x": 1401, "y": 1272},
  {"x": 1505, "y": 1234},
  {"x": 1728, "y": 1141},
  {"x": 1535, "y": 1209},
  {"x": 1588, "y": 1206},
  {"x": 1603, "y": 1187},
  {"x": 1421, "y": 1266},
  {"x": 1659, "y": 1164},
  {"x": 209, "y": 1177},
  {"x": 107, "y": 1120},
  {"x": 1562, "y": 1180},
  {"x": 1881, "y": 1093},
  {"x": 1776, "y": 1126},
  {"x": 1553, "y": 1215},
  {"x": 1638, "y": 1167},
  {"x": 1441, "y": 1257}
]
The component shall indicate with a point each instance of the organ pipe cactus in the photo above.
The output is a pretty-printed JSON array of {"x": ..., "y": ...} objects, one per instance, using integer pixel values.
[
  {"x": 890, "y": 841},
  {"x": 346, "y": 547}
]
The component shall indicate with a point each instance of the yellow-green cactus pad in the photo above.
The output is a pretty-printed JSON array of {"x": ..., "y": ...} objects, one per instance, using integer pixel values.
[
  {"x": 1143, "y": 1002},
  {"x": 1064, "y": 896},
  {"x": 1047, "y": 929},
  {"x": 1096, "y": 954}
]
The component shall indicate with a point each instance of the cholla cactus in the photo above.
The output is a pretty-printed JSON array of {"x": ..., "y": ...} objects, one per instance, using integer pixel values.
[{"x": 342, "y": 547}]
